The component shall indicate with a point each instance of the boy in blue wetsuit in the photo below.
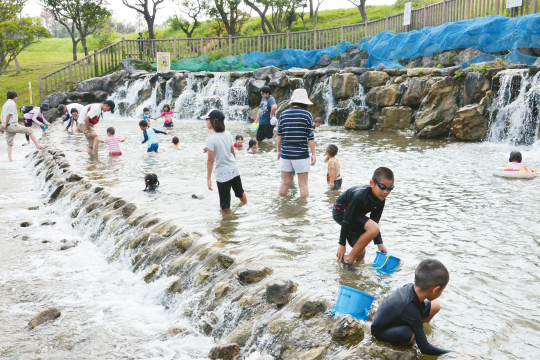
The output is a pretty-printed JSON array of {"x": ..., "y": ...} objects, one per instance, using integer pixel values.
[
  {"x": 150, "y": 136},
  {"x": 400, "y": 317},
  {"x": 351, "y": 209}
]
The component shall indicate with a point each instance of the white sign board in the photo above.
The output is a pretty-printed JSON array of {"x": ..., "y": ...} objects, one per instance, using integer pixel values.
[
  {"x": 163, "y": 62},
  {"x": 513, "y": 3},
  {"x": 407, "y": 14}
]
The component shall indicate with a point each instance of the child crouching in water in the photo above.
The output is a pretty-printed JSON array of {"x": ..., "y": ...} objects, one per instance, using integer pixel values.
[
  {"x": 220, "y": 149},
  {"x": 253, "y": 145},
  {"x": 113, "y": 142},
  {"x": 351, "y": 209},
  {"x": 333, "y": 176},
  {"x": 400, "y": 317},
  {"x": 151, "y": 181}
]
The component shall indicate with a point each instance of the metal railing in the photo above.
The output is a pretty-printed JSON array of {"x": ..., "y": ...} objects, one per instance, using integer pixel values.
[{"x": 107, "y": 59}]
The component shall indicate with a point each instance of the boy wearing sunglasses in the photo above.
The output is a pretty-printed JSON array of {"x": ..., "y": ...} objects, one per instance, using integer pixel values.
[{"x": 351, "y": 209}]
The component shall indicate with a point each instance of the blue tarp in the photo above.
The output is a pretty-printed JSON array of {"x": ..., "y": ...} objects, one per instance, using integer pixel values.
[{"x": 490, "y": 34}]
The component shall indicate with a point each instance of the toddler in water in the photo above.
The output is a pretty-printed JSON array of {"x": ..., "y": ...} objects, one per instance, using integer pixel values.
[
  {"x": 113, "y": 142},
  {"x": 253, "y": 145},
  {"x": 333, "y": 176},
  {"x": 146, "y": 114},
  {"x": 151, "y": 181},
  {"x": 317, "y": 122},
  {"x": 167, "y": 114},
  {"x": 176, "y": 143},
  {"x": 150, "y": 136},
  {"x": 514, "y": 162},
  {"x": 400, "y": 317},
  {"x": 239, "y": 141}
]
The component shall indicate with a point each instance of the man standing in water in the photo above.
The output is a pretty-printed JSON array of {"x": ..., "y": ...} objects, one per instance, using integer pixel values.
[
  {"x": 267, "y": 110},
  {"x": 10, "y": 123},
  {"x": 89, "y": 117}
]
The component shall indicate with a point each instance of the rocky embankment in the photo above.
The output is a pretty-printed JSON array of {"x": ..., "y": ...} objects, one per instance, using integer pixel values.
[
  {"x": 242, "y": 305},
  {"x": 429, "y": 102}
]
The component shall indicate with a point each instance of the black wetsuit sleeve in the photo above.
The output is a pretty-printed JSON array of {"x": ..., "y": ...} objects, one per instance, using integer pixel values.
[
  {"x": 411, "y": 317},
  {"x": 66, "y": 118},
  {"x": 376, "y": 216},
  {"x": 348, "y": 218},
  {"x": 145, "y": 136},
  {"x": 159, "y": 132}
]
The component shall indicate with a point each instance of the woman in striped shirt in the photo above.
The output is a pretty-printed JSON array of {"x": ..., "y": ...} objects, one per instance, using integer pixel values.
[{"x": 295, "y": 137}]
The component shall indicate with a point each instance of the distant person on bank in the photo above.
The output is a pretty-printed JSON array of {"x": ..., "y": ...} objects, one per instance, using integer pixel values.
[
  {"x": 88, "y": 117},
  {"x": 10, "y": 123},
  {"x": 36, "y": 116},
  {"x": 295, "y": 136},
  {"x": 141, "y": 45},
  {"x": 267, "y": 110}
]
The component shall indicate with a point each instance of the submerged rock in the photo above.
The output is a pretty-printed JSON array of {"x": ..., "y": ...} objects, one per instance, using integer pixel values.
[
  {"x": 225, "y": 260},
  {"x": 44, "y": 317},
  {"x": 33, "y": 208},
  {"x": 221, "y": 290},
  {"x": 25, "y": 238},
  {"x": 48, "y": 222},
  {"x": 26, "y": 223},
  {"x": 68, "y": 245},
  {"x": 391, "y": 354},
  {"x": 55, "y": 193},
  {"x": 241, "y": 334},
  {"x": 250, "y": 276},
  {"x": 74, "y": 177},
  {"x": 312, "y": 307},
  {"x": 129, "y": 209},
  {"x": 151, "y": 273},
  {"x": 225, "y": 352},
  {"x": 278, "y": 292},
  {"x": 347, "y": 328}
]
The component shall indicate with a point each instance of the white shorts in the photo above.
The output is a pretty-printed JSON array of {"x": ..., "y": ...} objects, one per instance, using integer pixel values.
[{"x": 300, "y": 166}]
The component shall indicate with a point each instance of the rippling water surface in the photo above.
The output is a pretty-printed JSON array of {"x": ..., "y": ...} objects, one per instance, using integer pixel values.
[{"x": 446, "y": 205}]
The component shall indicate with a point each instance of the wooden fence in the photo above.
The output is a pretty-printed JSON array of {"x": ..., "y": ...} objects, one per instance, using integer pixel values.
[{"x": 107, "y": 59}]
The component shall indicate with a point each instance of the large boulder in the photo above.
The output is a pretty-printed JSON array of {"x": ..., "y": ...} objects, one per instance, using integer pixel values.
[
  {"x": 44, "y": 317},
  {"x": 279, "y": 292},
  {"x": 357, "y": 61},
  {"x": 90, "y": 85},
  {"x": 319, "y": 107},
  {"x": 250, "y": 276},
  {"x": 265, "y": 73},
  {"x": 225, "y": 352},
  {"x": 415, "y": 92},
  {"x": 178, "y": 84},
  {"x": 474, "y": 87},
  {"x": 338, "y": 116},
  {"x": 448, "y": 58},
  {"x": 278, "y": 79},
  {"x": 347, "y": 329},
  {"x": 467, "y": 55},
  {"x": 359, "y": 119},
  {"x": 325, "y": 60},
  {"x": 371, "y": 79},
  {"x": 383, "y": 95},
  {"x": 438, "y": 109},
  {"x": 470, "y": 123},
  {"x": 254, "y": 91},
  {"x": 396, "y": 117}
]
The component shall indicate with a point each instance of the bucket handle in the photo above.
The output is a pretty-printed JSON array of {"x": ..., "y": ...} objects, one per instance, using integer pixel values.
[{"x": 380, "y": 267}]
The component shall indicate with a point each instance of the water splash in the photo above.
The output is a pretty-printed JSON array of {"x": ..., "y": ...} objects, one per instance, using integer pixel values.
[{"x": 516, "y": 120}]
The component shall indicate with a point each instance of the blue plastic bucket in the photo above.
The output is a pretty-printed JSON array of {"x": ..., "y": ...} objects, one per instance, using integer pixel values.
[
  {"x": 254, "y": 126},
  {"x": 353, "y": 302},
  {"x": 384, "y": 263}
]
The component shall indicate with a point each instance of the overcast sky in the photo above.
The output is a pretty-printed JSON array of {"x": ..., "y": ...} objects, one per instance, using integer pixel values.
[{"x": 123, "y": 13}]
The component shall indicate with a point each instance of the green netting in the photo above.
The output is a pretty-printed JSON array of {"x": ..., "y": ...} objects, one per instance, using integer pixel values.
[{"x": 203, "y": 63}]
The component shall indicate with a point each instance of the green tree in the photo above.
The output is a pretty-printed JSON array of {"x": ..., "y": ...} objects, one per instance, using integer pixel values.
[
  {"x": 229, "y": 12},
  {"x": 192, "y": 9},
  {"x": 81, "y": 18},
  {"x": 148, "y": 9},
  {"x": 361, "y": 5},
  {"x": 283, "y": 12},
  {"x": 16, "y": 33}
]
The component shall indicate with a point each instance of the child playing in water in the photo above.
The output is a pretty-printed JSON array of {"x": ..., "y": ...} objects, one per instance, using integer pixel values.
[
  {"x": 252, "y": 145},
  {"x": 113, "y": 142},
  {"x": 350, "y": 210},
  {"x": 514, "y": 162},
  {"x": 239, "y": 141},
  {"x": 146, "y": 114},
  {"x": 220, "y": 149},
  {"x": 400, "y": 317},
  {"x": 333, "y": 176},
  {"x": 167, "y": 114},
  {"x": 176, "y": 143},
  {"x": 317, "y": 122},
  {"x": 151, "y": 181},
  {"x": 150, "y": 136}
]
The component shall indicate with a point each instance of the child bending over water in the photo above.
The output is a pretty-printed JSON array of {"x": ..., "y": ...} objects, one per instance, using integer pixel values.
[
  {"x": 113, "y": 142},
  {"x": 150, "y": 136},
  {"x": 333, "y": 176},
  {"x": 253, "y": 145},
  {"x": 220, "y": 149},
  {"x": 151, "y": 181},
  {"x": 400, "y": 317},
  {"x": 167, "y": 114},
  {"x": 514, "y": 162},
  {"x": 350, "y": 210}
]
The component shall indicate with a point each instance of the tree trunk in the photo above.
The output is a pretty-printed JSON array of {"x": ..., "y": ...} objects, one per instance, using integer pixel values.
[
  {"x": 83, "y": 42},
  {"x": 150, "y": 25},
  {"x": 74, "y": 42},
  {"x": 362, "y": 8},
  {"x": 17, "y": 66},
  {"x": 310, "y": 9}
]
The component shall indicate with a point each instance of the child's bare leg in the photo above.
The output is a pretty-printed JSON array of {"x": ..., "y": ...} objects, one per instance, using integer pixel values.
[
  {"x": 286, "y": 178},
  {"x": 435, "y": 308},
  {"x": 358, "y": 251}
]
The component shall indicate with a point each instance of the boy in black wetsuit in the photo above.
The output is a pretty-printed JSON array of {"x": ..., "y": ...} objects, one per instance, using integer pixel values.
[
  {"x": 400, "y": 317},
  {"x": 350, "y": 210}
]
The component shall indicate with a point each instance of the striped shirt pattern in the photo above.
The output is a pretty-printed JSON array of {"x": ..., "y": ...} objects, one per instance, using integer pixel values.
[
  {"x": 295, "y": 126},
  {"x": 114, "y": 144}
]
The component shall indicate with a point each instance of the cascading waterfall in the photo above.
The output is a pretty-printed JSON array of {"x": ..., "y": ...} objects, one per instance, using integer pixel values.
[
  {"x": 328, "y": 97},
  {"x": 517, "y": 116}
]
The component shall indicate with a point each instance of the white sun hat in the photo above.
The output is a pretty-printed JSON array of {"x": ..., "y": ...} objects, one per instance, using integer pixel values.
[{"x": 300, "y": 96}]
